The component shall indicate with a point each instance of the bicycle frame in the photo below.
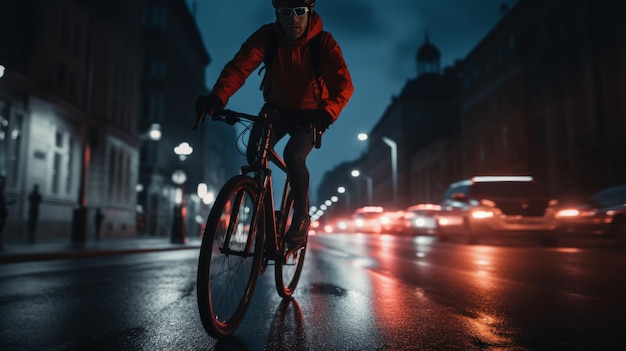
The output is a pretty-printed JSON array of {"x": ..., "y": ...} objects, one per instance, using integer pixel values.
[
  {"x": 229, "y": 264},
  {"x": 263, "y": 176}
]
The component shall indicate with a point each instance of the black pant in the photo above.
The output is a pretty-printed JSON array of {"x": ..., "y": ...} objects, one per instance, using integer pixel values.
[{"x": 296, "y": 124}]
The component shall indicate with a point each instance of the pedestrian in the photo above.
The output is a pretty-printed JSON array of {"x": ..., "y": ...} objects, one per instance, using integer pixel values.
[
  {"x": 4, "y": 211},
  {"x": 308, "y": 95},
  {"x": 33, "y": 212},
  {"x": 98, "y": 218}
]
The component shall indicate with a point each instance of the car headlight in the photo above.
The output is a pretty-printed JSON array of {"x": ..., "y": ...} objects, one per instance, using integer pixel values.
[{"x": 480, "y": 214}]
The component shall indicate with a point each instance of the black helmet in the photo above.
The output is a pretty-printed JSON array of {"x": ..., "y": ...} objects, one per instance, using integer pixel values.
[{"x": 293, "y": 3}]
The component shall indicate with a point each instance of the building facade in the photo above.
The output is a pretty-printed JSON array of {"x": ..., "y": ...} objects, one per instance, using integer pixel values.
[
  {"x": 542, "y": 94},
  {"x": 68, "y": 112},
  {"x": 84, "y": 82}
]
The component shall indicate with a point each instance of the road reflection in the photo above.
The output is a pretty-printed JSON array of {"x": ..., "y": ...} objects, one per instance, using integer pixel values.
[{"x": 287, "y": 328}]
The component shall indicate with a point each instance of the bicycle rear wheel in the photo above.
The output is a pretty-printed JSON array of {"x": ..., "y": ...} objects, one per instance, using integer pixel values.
[
  {"x": 230, "y": 256},
  {"x": 288, "y": 266}
]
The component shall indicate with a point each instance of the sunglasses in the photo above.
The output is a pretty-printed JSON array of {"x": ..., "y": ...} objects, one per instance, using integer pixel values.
[{"x": 289, "y": 11}]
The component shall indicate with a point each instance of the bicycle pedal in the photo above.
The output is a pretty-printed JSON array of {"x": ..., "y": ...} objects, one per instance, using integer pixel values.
[{"x": 292, "y": 250}]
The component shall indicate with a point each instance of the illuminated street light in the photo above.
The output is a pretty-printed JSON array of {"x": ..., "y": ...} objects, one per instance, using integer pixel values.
[
  {"x": 370, "y": 187},
  {"x": 155, "y": 132},
  {"x": 1, "y": 71},
  {"x": 394, "y": 167},
  {"x": 342, "y": 190},
  {"x": 179, "y": 232},
  {"x": 394, "y": 163},
  {"x": 205, "y": 194},
  {"x": 183, "y": 150}
]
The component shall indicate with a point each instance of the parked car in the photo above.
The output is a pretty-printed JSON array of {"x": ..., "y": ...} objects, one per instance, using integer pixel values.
[
  {"x": 367, "y": 219},
  {"x": 496, "y": 205},
  {"x": 604, "y": 213},
  {"x": 421, "y": 219}
]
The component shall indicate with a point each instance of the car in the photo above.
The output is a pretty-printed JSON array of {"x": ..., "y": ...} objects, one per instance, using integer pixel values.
[
  {"x": 392, "y": 222},
  {"x": 604, "y": 213},
  {"x": 367, "y": 219},
  {"x": 421, "y": 219},
  {"x": 338, "y": 225},
  {"x": 497, "y": 206}
]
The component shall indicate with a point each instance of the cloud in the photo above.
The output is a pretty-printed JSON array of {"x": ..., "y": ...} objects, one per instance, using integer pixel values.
[{"x": 356, "y": 19}]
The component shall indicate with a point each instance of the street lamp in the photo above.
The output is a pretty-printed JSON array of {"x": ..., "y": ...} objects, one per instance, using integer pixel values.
[
  {"x": 183, "y": 150},
  {"x": 179, "y": 232},
  {"x": 394, "y": 163},
  {"x": 154, "y": 133},
  {"x": 370, "y": 187},
  {"x": 342, "y": 190},
  {"x": 394, "y": 167}
]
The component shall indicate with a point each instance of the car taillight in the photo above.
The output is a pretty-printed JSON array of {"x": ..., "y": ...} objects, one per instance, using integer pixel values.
[{"x": 570, "y": 212}]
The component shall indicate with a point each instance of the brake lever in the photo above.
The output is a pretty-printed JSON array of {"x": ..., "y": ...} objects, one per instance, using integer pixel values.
[{"x": 199, "y": 120}]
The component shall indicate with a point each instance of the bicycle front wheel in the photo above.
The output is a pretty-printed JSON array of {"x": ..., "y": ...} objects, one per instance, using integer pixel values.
[
  {"x": 288, "y": 266},
  {"x": 230, "y": 257}
]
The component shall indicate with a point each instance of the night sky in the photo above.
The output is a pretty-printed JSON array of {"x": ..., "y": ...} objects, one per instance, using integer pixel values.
[{"x": 379, "y": 40}]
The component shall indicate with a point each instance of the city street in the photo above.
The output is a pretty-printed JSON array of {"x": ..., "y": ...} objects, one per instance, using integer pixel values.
[{"x": 357, "y": 292}]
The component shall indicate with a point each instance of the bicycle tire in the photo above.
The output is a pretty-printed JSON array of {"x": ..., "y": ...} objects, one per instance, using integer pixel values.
[
  {"x": 288, "y": 267},
  {"x": 227, "y": 275}
]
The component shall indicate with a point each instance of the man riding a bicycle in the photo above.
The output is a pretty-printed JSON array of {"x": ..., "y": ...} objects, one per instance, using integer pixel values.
[{"x": 306, "y": 101}]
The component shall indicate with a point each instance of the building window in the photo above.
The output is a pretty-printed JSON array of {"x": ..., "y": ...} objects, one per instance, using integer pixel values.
[
  {"x": 73, "y": 86},
  {"x": 481, "y": 152},
  {"x": 505, "y": 141},
  {"x": 152, "y": 105},
  {"x": 61, "y": 77},
  {"x": 13, "y": 140},
  {"x": 56, "y": 172},
  {"x": 76, "y": 45},
  {"x": 112, "y": 167},
  {"x": 65, "y": 29},
  {"x": 61, "y": 169},
  {"x": 157, "y": 69},
  {"x": 154, "y": 16},
  {"x": 70, "y": 167},
  {"x": 58, "y": 140}
]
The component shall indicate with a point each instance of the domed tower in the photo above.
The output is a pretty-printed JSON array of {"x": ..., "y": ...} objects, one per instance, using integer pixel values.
[{"x": 428, "y": 58}]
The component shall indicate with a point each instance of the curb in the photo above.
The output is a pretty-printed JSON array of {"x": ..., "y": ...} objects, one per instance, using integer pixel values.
[{"x": 85, "y": 253}]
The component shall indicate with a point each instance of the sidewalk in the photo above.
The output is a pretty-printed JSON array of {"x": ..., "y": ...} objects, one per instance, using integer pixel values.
[{"x": 62, "y": 249}]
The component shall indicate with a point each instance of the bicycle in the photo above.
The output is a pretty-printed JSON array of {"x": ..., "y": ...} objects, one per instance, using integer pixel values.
[{"x": 244, "y": 234}]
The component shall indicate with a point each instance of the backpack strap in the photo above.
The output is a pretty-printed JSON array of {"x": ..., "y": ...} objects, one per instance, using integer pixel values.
[
  {"x": 270, "y": 48},
  {"x": 315, "y": 49}
]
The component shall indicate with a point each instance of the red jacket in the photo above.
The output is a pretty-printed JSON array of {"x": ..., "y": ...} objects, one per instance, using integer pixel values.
[{"x": 290, "y": 81}]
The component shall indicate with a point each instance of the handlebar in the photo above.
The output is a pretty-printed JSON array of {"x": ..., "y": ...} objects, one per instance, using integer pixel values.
[
  {"x": 231, "y": 117},
  {"x": 228, "y": 116}
]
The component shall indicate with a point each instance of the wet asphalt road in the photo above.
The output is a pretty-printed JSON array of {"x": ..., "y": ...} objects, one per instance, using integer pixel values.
[{"x": 357, "y": 292}]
